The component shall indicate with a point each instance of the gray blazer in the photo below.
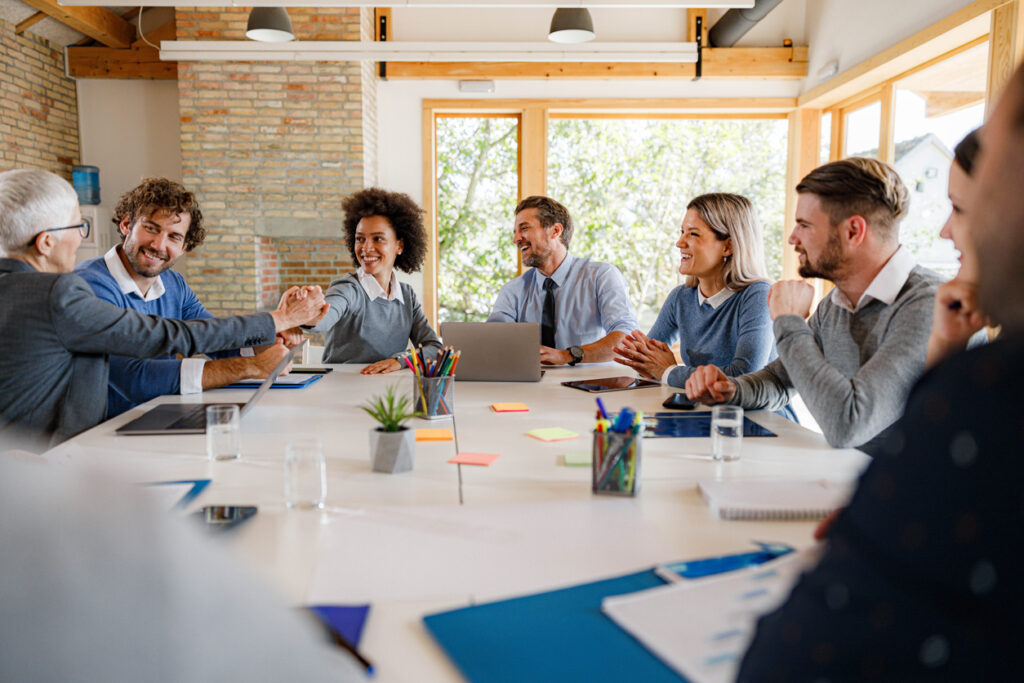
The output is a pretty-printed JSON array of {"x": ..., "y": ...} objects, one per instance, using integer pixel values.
[{"x": 55, "y": 335}]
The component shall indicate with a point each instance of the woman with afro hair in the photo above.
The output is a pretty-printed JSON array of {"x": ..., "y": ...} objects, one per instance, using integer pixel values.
[{"x": 372, "y": 316}]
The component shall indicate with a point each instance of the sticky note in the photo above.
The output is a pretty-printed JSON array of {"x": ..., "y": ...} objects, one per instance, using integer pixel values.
[
  {"x": 578, "y": 459},
  {"x": 552, "y": 434},
  {"x": 509, "y": 407},
  {"x": 483, "y": 459},
  {"x": 434, "y": 435}
]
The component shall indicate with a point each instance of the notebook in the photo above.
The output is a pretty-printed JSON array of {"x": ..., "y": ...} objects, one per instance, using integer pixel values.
[
  {"x": 495, "y": 352},
  {"x": 774, "y": 499},
  {"x": 190, "y": 418}
]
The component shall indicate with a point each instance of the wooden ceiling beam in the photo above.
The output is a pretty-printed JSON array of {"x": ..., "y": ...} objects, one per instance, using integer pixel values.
[
  {"x": 767, "y": 63},
  {"x": 139, "y": 61},
  {"x": 98, "y": 23},
  {"x": 27, "y": 23}
]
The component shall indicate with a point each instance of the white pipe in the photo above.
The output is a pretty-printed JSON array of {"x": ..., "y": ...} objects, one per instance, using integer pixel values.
[{"x": 414, "y": 51}]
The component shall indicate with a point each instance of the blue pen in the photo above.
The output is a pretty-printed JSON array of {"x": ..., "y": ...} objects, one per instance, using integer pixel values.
[{"x": 600, "y": 406}]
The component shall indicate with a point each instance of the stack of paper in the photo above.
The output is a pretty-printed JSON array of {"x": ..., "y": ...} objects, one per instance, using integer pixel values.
[{"x": 701, "y": 628}]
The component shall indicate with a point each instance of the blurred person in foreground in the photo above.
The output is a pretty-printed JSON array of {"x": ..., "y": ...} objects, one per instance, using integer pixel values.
[
  {"x": 920, "y": 577},
  {"x": 99, "y": 584}
]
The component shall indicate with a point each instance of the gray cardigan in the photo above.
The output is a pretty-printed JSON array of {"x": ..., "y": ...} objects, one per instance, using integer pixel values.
[
  {"x": 55, "y": 341},
  {"x": 853, "y": 370},
  {"x": 357, "y": 330}
]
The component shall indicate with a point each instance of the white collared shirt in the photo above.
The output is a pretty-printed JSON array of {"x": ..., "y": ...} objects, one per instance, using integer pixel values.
[
  {"x": 716, "y": 299},
  {"x": 374, "y": 290},
  {"x": 191, "y": 371},
  {"x": 887, "y": 284}
]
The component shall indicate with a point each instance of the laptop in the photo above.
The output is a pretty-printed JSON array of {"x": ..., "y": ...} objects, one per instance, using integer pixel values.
[
  {"x": 495, "y": 352},
  {"x": 190, "y": 418}
]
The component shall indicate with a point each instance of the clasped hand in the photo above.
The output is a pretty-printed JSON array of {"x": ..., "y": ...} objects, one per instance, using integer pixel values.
[
  {"x": 649, "y": 357},
  {"x": 790, "y": 297}
]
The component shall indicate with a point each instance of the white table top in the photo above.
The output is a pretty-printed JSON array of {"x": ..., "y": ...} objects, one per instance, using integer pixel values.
[{"x": 403, "y": 543}]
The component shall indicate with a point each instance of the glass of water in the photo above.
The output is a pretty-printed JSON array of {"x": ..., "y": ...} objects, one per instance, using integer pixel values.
[
  {"x": 726, "y": 432},
  {"x": 223, "y": 432},
  {"x": 305, "y": 474}
]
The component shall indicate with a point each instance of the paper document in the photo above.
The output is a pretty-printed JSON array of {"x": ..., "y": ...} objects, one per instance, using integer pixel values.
[{"x": 701, "y": 628}]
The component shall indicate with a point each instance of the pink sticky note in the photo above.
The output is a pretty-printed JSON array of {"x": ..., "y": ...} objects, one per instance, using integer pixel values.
[{"x": 483, "y": 459}]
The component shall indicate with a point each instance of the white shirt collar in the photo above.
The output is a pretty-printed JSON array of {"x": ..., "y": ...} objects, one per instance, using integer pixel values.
[
  {"x": 716, "y": 299},
  {"x": 374, "y": 290},
  {"x": 887, "y": 284},
  {"x": 125, "y": 282}
]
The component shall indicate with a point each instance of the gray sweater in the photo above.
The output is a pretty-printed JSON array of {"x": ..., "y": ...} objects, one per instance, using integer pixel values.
[
  {"x": 358, "y": 330},
  {"x": 853, "y": 370}
]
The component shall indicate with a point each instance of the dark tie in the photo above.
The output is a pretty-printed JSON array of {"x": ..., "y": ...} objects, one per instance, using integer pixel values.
[{"x": 547, "y": 322}]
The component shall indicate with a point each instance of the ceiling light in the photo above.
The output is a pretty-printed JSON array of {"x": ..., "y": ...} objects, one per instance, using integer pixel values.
[
  {"x": 571, "y": 25},
  {"x": 269, "y": 25}
]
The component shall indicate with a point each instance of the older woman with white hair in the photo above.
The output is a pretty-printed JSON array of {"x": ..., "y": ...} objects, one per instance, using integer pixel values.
[{"x": 720, "y": 314}]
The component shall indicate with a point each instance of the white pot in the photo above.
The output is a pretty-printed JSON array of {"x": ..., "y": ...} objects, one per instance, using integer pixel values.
[{"x": 392, "y": 452}]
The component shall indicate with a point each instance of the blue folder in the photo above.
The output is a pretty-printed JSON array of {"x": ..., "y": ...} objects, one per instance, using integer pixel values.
[
  {"x": 348, "y": 620},
  {"x": 255, "y": 383},
  {"x": 692, "y": 425},
  {"x": 558, "y": 635}
]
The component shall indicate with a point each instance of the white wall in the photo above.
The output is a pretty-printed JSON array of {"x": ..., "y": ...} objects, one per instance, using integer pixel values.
[
  {"x": 130, "y": 129},
  {"x": 851, "y": 31}
]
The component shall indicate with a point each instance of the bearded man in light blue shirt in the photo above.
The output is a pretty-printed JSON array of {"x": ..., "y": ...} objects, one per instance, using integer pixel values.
[{"x": 582, "y": 305}]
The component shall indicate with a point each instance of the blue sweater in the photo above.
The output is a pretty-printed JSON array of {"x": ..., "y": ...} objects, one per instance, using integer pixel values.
[
  {"x": 134, "y": 380},
  {"x": 737, "y": 336}
]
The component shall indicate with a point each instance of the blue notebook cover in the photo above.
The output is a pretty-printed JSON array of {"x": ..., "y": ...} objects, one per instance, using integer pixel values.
[
  {"x": 558, "y": 635},
  {"x": 292, "y": 384},
  {"x": 197, "y": 487},
  {"x": 348, "y": 620}
]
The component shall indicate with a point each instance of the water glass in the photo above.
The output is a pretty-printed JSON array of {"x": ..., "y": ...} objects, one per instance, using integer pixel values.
[
  {"x": 223, "y": 432},
  {"x": 726, "y": 432},
  {"x": 305, "y": 474}
]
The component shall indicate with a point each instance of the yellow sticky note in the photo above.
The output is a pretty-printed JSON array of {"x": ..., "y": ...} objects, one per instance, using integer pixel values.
[
  {"x": 509, "y": 407},
  {"x": 434, "y": 435},
  {"x": 552, "y": 434},
  {"x": 578, "y": 459}
]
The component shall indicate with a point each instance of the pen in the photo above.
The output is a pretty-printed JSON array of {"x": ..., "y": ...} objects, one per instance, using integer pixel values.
[
  {"x": 343, "y": 643},
  {"x": 600, "y": 406}
]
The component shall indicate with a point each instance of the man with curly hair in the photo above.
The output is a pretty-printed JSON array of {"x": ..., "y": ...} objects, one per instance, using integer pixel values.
[
  {"x": 373, "y": 317},
  {"x": 158, "y": 221},
  {"x": 582, "y": 305}
]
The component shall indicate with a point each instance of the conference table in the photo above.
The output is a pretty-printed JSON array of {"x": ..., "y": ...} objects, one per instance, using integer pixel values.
[{"x": 406, "y": 545}]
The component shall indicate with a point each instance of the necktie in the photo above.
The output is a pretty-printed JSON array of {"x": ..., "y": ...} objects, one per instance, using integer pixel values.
[{"x": 547, "y": 323}]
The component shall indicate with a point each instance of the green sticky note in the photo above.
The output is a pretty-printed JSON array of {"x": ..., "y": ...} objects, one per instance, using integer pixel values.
[
  {"x": 552, "y": 434},
  {"x": 578, "y": 459}
]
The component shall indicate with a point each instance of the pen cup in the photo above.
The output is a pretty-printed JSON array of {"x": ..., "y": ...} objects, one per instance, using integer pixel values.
[
  {"x": 432, "y": 396},
  {"x": 615, "y": 465}
]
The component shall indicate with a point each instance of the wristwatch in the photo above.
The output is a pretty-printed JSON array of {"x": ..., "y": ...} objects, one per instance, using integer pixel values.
[{"x": 576, "y": 353}]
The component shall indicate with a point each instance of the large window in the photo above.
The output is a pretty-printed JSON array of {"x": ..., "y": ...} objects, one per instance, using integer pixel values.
[
  {"x": 934, "y": 109},
  {"x": 627, "y": 181},
  {"x": 477, "y": 189}
]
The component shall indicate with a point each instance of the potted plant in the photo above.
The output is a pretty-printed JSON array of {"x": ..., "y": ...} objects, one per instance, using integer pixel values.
[{"x": 391, "y": 443}]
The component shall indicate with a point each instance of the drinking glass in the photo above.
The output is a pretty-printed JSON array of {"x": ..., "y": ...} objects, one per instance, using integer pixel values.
[
  {"x": 726, "y": 432},
  {"x": 305, "y": 474},
  {"x": 223, "y": 432}
]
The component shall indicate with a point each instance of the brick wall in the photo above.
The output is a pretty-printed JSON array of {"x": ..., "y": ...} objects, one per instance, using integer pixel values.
[
  {"x": 38, "y": 105},
  {"x": 271, "y": 149}
]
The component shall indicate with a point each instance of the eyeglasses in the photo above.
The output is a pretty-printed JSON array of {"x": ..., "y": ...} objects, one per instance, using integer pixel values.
[{"x": 83, "y": 229}]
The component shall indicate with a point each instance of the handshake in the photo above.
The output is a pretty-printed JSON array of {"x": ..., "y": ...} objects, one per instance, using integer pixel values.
[{"x": 299, "y": 306}]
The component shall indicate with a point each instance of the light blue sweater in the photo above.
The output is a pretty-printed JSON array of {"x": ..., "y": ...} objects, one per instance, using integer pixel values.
[{"x": 737, "y": 336}]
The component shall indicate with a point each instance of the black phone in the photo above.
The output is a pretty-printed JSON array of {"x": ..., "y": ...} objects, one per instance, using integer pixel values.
[
  {"x": 679, "y": 402},
  {"x": 222, "y": 517}
]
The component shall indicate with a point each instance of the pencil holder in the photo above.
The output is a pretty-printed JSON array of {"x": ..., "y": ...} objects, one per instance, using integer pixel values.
[
  {"x": 615, "y": 465},
  {"x": 432, "y": 396}
]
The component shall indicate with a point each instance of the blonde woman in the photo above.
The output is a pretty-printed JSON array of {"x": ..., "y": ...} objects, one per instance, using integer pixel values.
[{"x": 720, "y": 314}]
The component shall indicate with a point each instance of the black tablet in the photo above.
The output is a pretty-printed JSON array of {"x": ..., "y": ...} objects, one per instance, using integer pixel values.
[{"x": 611, "y": 384}]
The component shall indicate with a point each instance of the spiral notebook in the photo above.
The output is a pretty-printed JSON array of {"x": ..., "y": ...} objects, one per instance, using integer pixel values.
[{"x": 774, "y": 499}]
